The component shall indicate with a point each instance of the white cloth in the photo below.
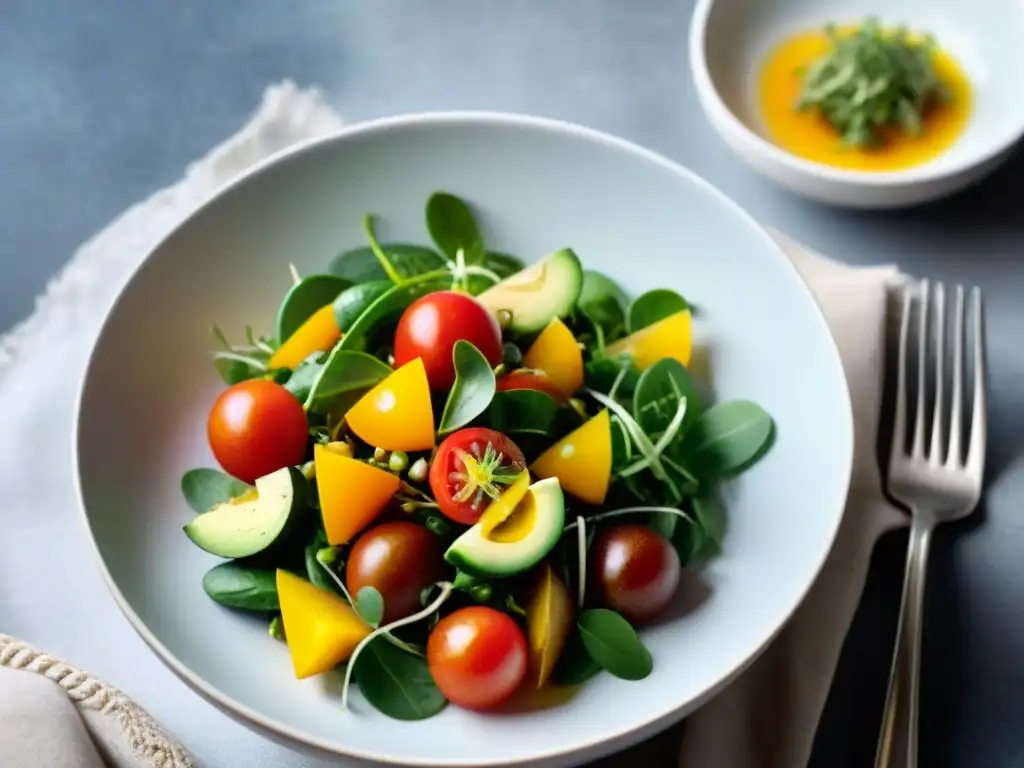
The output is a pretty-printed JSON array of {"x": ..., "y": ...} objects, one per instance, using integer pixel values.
[{"x": 765, "y": 720}]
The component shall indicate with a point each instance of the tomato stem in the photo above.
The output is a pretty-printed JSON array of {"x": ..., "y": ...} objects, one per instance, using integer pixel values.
[{"x": 481, "y": 476}]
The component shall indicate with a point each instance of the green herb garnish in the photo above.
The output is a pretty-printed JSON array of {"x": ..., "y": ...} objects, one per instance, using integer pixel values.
[{"x": 872, "y": 79}]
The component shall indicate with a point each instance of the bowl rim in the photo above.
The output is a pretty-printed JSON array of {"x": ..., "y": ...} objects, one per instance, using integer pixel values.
[
  {"x": 712, "y": 101},
  {"x": 619, "y": 736}
]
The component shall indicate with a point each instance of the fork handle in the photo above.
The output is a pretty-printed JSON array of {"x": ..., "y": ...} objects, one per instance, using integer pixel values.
[{"x": 897, "y": 744}]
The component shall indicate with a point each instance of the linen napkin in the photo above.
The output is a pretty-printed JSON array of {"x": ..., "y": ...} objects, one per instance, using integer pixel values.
[{"x": 53, "y": 712}]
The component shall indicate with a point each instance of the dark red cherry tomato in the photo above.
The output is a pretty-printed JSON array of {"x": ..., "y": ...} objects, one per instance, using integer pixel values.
[
  {"x": 399, "y": 560},
  {"x": 637, "y": 570},
  {"x": 257, "y": 427},
  {"x": 433, "y": 323},
  {"x": 470, "y": 468},
  {"x": 477, "y": 657}
]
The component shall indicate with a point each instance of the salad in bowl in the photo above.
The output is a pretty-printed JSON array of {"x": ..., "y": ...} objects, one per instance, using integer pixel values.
[{"x": 461, "y": 480}]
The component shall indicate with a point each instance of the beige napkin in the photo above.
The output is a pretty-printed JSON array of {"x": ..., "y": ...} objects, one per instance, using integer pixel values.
[{"x": 52, "y": 712}]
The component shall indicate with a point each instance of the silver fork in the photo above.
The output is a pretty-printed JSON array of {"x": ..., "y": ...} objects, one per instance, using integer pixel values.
[{"x": 937, "y": 484}]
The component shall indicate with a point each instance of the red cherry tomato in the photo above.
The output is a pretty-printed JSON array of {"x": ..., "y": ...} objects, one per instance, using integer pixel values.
[
  {"x": 469, "y": 468},
  {"x": 637, "y": 570},
  {"x": 477, "y": 657},
  {"x": 527, "y": 378},
  {"x": 255, "y": 428},
  {"x": 399, "y": 560},
  {"x": 432, "y": 324}
]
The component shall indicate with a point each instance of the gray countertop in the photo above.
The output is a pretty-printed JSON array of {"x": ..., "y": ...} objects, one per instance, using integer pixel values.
[{"x": 104, "y": 102}]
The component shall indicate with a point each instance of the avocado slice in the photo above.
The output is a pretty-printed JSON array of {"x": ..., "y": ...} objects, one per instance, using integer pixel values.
[
  {"x": 538, "y": 294},
  {"x": 253, "y": 522},
  {"x": 520, "y": 542}
]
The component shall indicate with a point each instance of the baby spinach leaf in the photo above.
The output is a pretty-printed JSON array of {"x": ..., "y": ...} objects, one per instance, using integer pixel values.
[
  {"x": 304, "y": 377},
  {"x": 370, "y": 605},
  {"x": 354, "y": 301},
  {"x": 727, "y": 438},
  {"x": 501, "y": 264},
  {"x": 234, "y": 371},
  {"x": 314, "y": 571},
  {"x": 359, "y": 265},
  {"x": 205, "y": 487},
  {"x": 306, "y": 297},
  {"x": 650, "y": 307},
  {"x": 684, "y": 534},
  {"x": 344, "y": 371},
  {"x": 236, "y": 586},
  {"x": 397, "y": 683},
  {"x": 656, "y": 398},
  {"x": 472, "y": 391},
  {"x": 522, "y": 410},
  {"x": 453, "y": 227},
  {"x": 709, "y": 512},
  {"x": 603, "y": 302},
  {"x": 602, "y": 373},
  {"x": 389, "y": 304},
  {"x": 614, "y": 645},
  {"x": 574, "y": 666}
]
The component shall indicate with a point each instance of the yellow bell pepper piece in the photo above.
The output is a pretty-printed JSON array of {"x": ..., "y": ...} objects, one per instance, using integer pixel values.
[
  {"x": 352, "y": 493},
  {"x": 582, "y": 460},
  {"x": 396, "y": 414},
  {"x": 558, "y": 354},
  {"x": 321, "y": 628},
  {"x": 669, "y": 337},
  {"x": 318, "y": 334}
]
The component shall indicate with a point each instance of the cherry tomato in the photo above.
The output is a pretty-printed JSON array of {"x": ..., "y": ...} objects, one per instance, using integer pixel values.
[
  {"x": 477, "y": 657},
  {"x": 472, "y": 467},
  {"x": 255, "y": 428},
  {"x": 527, "y": 378},
  {"x": 399, "y": 559},
  {"x": 637, "y": 570},
  {"x": 432, "y": 324}
]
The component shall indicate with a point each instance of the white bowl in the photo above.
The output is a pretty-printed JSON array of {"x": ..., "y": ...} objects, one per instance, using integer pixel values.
[
  {"x": 729, "y": 40},
  {"x": 537, "y": 185}
]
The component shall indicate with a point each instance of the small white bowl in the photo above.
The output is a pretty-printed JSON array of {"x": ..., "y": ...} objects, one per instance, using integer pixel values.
[{"x": 730, "y": 39}]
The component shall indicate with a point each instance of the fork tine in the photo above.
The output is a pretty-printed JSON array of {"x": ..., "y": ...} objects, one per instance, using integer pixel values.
[
  {"x": 899, "y": 432},
  {"x": 976, "y": 450},
  {"x": 917, "y": 449},
  {"x": 935, "y": 451},
  {"x": 956, "y": 405}
]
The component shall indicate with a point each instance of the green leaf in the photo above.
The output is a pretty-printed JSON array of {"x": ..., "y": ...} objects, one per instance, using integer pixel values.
[
  {"x": 656, "y": 398},
  {"x": 603, "y": 302},
  {"x": 650, "y": 307},
  {"x": 601, "y": 374},
  {"x": 236, "y": 586},
  {"x": 463, "y": 582},
  {"x": 709, "y": 512},
  {"x": 472, "y": 391},
  {"x": 574, "y": 666},
  {"x": 305, "y": 298},
  {"x": 389, "y": 305},
  {"x": 204, "y": 488},
  {"x": 501, "y": 264},
  {"x": 614, "y": 644},
  {"x": 727, "y": 438},
  {"x": 354, "y": 301},
  {"x": 397, "y": 683},
  {"x": 235, "y": 371},
  {"x": 314, "y": 571},
  {"x": 453, "y": 227},
  {"x": 370, "y": 605},
  {"x": 359, "y": 265},
  {"x": 522, "y": 410},
  {"x": 685, "y": 535},
  {"x": 344, "y": 371},
  {"x": 304, "y": 376}
]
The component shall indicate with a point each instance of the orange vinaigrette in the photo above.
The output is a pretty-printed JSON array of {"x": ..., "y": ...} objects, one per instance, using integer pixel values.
[{"x": 808, "y": 135}]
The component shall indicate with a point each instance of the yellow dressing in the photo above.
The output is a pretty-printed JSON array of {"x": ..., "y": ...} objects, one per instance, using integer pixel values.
[{"x": 809, "y": 136}]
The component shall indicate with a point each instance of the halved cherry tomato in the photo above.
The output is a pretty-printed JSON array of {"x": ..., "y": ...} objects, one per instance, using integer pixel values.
[
  {"x": 528, "y": 378},
  {"x": 470, "y": 469},
  {"x": 256, "y": 427},
  {"x": 432, "y": 324},
  {"x": 477, "y": 657}
]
